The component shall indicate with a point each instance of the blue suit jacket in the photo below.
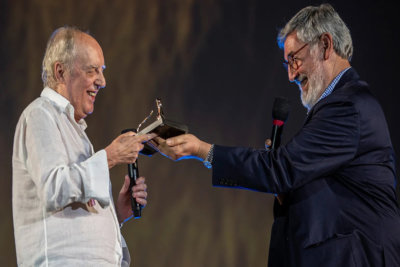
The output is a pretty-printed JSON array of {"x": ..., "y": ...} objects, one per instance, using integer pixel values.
[{"x": 338, "y": 175}]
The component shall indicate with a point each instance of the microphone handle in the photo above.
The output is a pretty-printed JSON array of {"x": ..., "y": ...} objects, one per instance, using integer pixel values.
[
  {"x": 276, "y": 136},
  {"x": 133, "y": 173},
  {"x": 275, "y": 143}
]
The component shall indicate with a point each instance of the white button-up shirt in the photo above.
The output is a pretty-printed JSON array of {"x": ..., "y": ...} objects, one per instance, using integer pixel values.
[{"x": 55, "y": 173}]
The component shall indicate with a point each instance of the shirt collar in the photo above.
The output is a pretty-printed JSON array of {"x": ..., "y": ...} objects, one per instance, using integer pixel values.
[
  {"x": 62, "y": 104},
  {"x": 332, "y": 85}
]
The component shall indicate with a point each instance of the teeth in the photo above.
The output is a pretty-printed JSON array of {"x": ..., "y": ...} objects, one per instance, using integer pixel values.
[{"x": 92, "y": 93}]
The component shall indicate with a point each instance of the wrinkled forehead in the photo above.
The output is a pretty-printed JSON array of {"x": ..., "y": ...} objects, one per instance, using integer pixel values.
[{"x": 89, "y": 51}]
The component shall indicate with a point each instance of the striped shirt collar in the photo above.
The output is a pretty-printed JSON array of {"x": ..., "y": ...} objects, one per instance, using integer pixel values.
[
  {"x": 330, "y": 88},
  {"x": 332, "y": 85}
]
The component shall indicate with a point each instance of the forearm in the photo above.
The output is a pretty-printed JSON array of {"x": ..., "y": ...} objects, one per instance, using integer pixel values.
[{"x": 64, "y": 184}]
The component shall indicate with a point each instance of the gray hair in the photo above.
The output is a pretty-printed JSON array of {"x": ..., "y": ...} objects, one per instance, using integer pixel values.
[
  {"x": 60, "y": 48},
  {"x": 312, "y": 21}
]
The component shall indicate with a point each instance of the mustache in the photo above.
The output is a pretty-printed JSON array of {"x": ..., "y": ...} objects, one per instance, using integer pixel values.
[{"x": 299, "y": 79}]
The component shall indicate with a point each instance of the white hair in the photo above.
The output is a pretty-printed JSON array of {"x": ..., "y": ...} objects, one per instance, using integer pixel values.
[
  {"x": 312, "y": 21},
  {"x": 61, "y": 48}
]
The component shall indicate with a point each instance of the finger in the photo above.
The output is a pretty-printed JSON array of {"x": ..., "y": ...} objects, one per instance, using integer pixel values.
[
  {"x": 177, "y": 140},
  {"x": 182, "y": 149},
  {"x": 91, "y": 202},
  {"x": 140, "y": 195},
  {"x": 158, "y": 140},
  {"x": 140, "y": 180},
  {"x": 139, "y": 188},
  {"x": 144, "y": 138},
  {"x": 268, "y": 144},
  {"x": 141, "y": 201},
  {"x": 152, "y": 135},
  {"x": 172, "y": 141},
  {"x": 153, "y": 145}
]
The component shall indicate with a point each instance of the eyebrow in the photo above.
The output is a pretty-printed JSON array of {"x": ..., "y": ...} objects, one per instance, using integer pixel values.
[
  {"x": 288, "y": 55},
  {"x": 103, "y": 67}
]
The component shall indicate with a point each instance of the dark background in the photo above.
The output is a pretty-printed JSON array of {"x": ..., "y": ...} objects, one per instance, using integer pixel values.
[{"x": 216, "y": 66}]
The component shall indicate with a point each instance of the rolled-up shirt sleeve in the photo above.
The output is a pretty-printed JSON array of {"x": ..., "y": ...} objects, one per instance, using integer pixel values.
[{"x": 62, "y": 178}]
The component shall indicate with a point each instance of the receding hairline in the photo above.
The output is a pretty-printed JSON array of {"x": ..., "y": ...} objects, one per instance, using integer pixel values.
[
  {"x": 65, "y": 45},
  {"x": 85, "y": 41},
  {"x": 80, "y": 37}
]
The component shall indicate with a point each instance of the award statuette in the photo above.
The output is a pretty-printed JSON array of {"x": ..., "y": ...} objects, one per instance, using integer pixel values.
[{"x": 163, "y": 127}]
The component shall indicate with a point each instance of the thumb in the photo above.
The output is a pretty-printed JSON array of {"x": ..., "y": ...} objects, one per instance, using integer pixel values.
[{"x": 125, "y": 186}]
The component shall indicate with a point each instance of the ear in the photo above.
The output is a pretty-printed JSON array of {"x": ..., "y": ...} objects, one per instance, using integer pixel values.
[
  {"x": 327, "y": 45},
  {"x": 59, "y": 72}
]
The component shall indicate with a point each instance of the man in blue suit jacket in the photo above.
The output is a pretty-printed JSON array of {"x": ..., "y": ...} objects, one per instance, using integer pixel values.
[{"x": 336, "y": 177}]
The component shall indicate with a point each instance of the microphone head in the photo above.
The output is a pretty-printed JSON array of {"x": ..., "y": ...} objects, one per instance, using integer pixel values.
[{"x": 280, "y": 109}]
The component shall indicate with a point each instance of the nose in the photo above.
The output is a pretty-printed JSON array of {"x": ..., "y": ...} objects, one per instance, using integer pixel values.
[
  {"x": 292, "y": 74},
  {"x": 101, "y": 80}
]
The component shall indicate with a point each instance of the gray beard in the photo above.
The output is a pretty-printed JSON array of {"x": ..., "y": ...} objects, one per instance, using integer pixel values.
[{"x": 315, "y": 87}]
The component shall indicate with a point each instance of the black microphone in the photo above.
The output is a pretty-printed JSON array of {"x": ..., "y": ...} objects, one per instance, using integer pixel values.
[
  {"x": 133, "y": 172},
  {"x": 280, "y": 113}
]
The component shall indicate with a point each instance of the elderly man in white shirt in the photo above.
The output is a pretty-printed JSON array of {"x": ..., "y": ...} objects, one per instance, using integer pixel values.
[{"x": 63, "y": 208}]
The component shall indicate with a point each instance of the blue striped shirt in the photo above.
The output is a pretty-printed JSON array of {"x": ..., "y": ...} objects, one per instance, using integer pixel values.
[{"x": 332, "y": 85}]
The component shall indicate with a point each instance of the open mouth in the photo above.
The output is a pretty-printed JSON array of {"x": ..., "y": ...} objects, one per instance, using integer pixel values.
[{"x": 91, "y": 93}]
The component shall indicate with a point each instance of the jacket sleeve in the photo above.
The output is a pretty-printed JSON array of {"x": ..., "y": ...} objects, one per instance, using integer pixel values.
[{"x": 328, "y": 141}]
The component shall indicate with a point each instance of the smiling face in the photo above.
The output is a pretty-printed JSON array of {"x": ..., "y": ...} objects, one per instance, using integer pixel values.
[
  {"x": 310, "y": 73},
  {"x": 82, "y": 83}
]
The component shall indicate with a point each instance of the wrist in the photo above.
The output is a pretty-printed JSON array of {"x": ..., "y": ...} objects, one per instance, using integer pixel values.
[
  {"x": 110, "y": 161},
  {"x": 208, "y": 160},
  {"x": 204, "y": 148}
]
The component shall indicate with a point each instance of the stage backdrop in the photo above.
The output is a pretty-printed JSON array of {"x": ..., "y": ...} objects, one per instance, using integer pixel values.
[{"x": 216, "y": 66}]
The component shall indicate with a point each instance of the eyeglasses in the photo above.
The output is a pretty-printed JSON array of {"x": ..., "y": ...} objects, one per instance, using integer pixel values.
[{"x": 292, "y": 60}]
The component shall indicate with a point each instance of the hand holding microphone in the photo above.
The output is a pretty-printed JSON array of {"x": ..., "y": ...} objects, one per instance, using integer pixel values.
[
  {"x": 133, "y": 172},
  {"x": 124, "y": 209},
  {"x": 125, "y": 149}
]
